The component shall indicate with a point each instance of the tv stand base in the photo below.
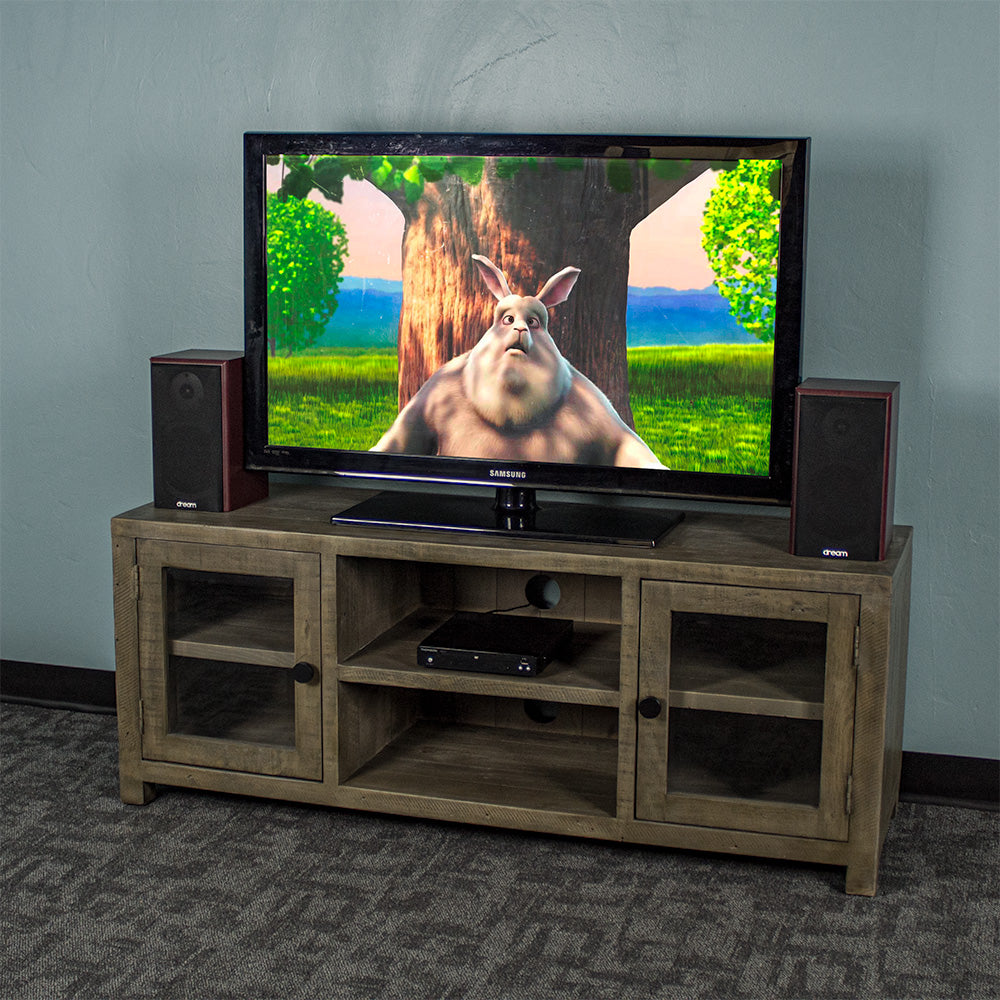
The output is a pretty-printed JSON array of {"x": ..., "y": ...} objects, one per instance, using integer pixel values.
[{"x": 516, "y": 513}]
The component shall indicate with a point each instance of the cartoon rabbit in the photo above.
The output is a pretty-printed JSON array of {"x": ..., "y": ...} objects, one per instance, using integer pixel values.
[{"x": 514, "y": 397}]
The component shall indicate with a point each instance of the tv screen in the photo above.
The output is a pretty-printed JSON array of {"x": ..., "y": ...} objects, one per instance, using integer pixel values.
[{"x": 584, "y": 313}]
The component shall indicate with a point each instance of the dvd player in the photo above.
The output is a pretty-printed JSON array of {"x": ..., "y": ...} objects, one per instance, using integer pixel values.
[{"x": 491, "y": 643}]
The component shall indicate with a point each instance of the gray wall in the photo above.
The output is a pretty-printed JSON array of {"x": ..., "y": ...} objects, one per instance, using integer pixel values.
[{"x": 121, "y": 238}]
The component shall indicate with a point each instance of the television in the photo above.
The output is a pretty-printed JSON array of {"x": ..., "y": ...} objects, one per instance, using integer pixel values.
[{"x": 580, "y": 323}]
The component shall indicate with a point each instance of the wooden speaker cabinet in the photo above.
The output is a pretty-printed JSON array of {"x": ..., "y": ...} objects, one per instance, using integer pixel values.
[
  {"x": 197, "y": 409},
  {"x": 720, "y": 694},
  {"x": 844, "y": 468}
]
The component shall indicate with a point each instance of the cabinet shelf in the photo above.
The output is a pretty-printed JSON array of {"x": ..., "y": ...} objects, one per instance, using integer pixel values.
[
  {"x": 240, "y": 623},
  {"x": 550, "y": 772},
  {"x": 751, "y": 666},
  {"x": 590, "y": 677}
]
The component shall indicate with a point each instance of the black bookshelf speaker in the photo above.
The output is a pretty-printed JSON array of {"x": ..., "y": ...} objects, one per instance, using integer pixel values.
[
  {"x": 844, "y": 468},
  {"x": 197, "y": 404}
]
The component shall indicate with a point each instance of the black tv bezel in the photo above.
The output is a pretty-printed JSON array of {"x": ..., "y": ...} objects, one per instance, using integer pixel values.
[{"x": 773, "y": 489}]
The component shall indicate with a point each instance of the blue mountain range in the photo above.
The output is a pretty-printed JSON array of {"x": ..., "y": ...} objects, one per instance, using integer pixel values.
[{"x": 368, "y": 316}]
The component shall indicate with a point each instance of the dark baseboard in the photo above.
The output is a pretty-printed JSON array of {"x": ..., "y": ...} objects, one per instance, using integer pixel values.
[
  {"x": 50, "y": 686},
  {"x": 973, "y": 782},
  {"x": 939, "y": 779}
]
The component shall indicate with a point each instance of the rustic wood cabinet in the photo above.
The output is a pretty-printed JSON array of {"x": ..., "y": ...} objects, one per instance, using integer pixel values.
[{"x": 720, "y": 694}]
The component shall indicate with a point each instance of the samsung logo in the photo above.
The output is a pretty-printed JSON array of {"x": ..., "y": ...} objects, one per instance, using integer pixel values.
[
  {"x": 836, "y": 553},
  {"x": 507, "y": 474},
  {"x": 186, "y": 504}
]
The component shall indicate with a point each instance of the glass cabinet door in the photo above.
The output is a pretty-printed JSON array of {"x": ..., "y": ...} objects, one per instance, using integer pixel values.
[
  {"x": 746, "y": 708},
  {"x": 229, "y": 658}
]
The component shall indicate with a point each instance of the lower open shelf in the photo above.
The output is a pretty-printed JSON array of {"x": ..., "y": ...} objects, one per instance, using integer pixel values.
[{"x": 554, "y": 772}]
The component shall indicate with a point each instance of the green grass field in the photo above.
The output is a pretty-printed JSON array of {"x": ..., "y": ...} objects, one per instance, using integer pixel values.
[{"x": 701, "y": 409}]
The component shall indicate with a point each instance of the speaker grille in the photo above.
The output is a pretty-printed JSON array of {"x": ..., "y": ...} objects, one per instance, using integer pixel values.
[
  {"x": 187, "y": 435},
  {"x": 841, "y": 501}
]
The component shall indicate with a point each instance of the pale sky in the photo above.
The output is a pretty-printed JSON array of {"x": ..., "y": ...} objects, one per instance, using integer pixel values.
[
  {"x": 666, "y": 245},
  {"x": 665, "y": 250}
]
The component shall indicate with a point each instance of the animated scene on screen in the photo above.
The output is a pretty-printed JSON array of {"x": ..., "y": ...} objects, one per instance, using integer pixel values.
[{"x": 601, "y": 312}]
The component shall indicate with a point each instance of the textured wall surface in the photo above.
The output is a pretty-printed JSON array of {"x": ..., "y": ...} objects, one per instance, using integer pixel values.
[{"x": 121, "y": 230}]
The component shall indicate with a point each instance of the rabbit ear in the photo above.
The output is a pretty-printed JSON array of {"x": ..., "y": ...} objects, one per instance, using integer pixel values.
[
  {"x": 493, "y": 276},
  {"x": 558, "y": 287}
]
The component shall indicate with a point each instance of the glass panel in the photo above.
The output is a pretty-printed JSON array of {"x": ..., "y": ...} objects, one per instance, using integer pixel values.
[
  {"x": 746, "y": 715},
  {"x": 231, "y": 701},
  {"x": 777, "y": 666},
  {"x": 230, "y": 609},
  {"x": 739, "y": 756}
]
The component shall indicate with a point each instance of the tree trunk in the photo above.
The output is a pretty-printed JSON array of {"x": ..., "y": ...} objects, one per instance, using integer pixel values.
[{"x": 531, "y": 226}]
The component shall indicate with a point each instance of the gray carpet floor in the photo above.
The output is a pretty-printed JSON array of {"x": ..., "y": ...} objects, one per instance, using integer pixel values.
[{"x": 209, "y": 897}]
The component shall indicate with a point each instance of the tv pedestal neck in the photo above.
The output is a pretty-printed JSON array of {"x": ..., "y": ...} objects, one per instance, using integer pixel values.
[{"x": 720, "y": 694}]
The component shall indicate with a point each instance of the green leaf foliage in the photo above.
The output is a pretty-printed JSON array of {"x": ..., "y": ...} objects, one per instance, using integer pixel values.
[
  {"x": 329, "y": 173},
  {"x": 413, "y": 182},
  {"x": 668, "y": 170},
  {"x": 468, "y": 168},
  {"x": 740, "y": 236},
  {"x": 410, "y": 174},
  {"x": 510, "y": 166},
  {"x": 380, "y": 172},
  {"x": 433, "y": 168},
  {"x": 298, "y": 182},
  {"x": 306, "y": 252},
  {"x": 620, "y": 176}
]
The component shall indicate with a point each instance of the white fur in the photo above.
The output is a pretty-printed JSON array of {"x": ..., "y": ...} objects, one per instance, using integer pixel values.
[{"x": 514, "y": 396}]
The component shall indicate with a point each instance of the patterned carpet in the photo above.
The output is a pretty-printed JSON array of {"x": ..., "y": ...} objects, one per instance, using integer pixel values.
[{"x": 207, "y": 897}]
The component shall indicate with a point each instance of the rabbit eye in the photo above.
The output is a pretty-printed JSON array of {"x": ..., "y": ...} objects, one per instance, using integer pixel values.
[
  {"x": 533, "y": 322},
  {"x": 507, "y": 320}
]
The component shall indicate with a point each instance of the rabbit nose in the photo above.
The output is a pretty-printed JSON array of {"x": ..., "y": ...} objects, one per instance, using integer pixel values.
[{"x": 519, "y": 340}]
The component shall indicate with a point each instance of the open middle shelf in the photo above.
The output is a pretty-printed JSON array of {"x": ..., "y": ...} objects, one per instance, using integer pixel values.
[
  {"x": 547, "y": 743},
  {"x": 590, "y": 676}
]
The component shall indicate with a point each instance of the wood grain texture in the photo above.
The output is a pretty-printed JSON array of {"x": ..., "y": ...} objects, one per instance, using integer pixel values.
[
  {"x": 204, "y": 609},
  {"x": 749, "y": 649},
  {"x": 784, "y": 661},
  {"x": 590, "y": 676},
  {"x": 132, "y": 786},
  {"x": 465, "y": 763}
]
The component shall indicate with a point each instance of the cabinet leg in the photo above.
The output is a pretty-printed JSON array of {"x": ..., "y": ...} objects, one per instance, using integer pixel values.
[
  {"x": 135, "y": 792},
  {"x": 862, "y": 879}
]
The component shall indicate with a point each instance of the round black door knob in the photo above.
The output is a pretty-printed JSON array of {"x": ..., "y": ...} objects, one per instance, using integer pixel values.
[
  {"x": 302, "y": 672},
  {"x": 650, "y": 708}
]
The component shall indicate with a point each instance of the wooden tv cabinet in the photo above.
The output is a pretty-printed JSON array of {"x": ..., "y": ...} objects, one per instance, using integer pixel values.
[{"x": 721, "y": 694}]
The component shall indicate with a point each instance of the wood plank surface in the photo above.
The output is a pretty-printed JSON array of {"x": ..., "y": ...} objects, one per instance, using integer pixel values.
[
  {"x": 533, "y": 770},
  {"x": 589, "y": 676}
]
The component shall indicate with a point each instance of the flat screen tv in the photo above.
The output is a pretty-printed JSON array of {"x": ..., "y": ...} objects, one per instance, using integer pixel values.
[{"x": 617, "y": 316}]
